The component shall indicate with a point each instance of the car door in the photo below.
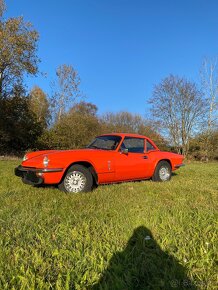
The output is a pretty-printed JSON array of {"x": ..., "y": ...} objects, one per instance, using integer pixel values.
[{"x": 131, "y": 161}]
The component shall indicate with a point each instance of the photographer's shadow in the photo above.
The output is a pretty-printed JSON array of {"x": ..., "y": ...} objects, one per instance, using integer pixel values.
[{"x": 143, "y": 265}]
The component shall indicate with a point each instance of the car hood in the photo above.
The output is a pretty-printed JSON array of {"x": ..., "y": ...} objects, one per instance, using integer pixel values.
[
  {"x": 50, "y": 152},
  {"x": 60, "y": 158}
]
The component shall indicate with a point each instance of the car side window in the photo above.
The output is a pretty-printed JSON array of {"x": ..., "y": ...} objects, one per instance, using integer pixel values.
[
  {"x": 105, "y": 144},
  {"x": 149, "y": 146},
  {"x": 134, "y": 145}
]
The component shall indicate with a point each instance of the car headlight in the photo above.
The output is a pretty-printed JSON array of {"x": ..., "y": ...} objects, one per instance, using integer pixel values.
[
  {"x": 45, "y": 161},
  {"x": 25, "y": 157}
]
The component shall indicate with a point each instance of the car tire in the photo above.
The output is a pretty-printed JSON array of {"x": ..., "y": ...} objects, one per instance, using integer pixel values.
[
  {"x": 77, "y": 179},
  {"x": 163, "y": 172}
]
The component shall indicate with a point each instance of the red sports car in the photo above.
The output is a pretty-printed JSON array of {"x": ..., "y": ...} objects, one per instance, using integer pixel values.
[{"x": 107, "y": 159}]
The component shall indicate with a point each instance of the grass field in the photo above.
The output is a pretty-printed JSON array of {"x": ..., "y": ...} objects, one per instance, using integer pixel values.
[{"x": 140, "y": 235}]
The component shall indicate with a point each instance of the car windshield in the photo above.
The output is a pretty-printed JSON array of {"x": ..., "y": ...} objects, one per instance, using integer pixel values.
[{"x": 108, "y": 142}]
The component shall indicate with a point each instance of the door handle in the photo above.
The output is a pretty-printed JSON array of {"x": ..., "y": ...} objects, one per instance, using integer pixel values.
[{"x": 144, "y": 157}]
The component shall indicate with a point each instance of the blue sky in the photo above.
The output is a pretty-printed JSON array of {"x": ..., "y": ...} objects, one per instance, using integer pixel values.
[{"x": 121, "y": 48}]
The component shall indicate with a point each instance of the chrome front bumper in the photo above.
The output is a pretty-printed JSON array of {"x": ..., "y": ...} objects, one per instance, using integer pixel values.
[{"x": 29, "y": 174}]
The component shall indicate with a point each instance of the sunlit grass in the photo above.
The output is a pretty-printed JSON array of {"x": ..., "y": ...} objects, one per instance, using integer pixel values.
[{"x": 49, "y": 239}]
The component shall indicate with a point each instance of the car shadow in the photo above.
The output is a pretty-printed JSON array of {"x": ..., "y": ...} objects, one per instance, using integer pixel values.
[
  {"x": 143, "y": 265},
  {"x": 174, "y": 173}
]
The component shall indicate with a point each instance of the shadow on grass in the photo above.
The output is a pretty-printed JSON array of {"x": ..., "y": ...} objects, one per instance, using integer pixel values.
[
  {"x": 143, "y": 265},
  {"x": 174, "y": 173}
]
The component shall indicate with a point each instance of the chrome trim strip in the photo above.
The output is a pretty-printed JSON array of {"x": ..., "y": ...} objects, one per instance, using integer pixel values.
[
  {"x": 52, "y": 170},
  {"x": 39, "y": 170}
]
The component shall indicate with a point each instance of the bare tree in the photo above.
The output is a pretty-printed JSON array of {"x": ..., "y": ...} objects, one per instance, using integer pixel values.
[
  {"x": 2, "y": 7},
  {"x": 65, "y": 90},
  {"x": 127, "y": 122},
  {"x": 122, "y": 122},
  {"x": 178, "y": 106},
  {"x": 84, "y": 108},
  {"x": 209, "y": 80}
]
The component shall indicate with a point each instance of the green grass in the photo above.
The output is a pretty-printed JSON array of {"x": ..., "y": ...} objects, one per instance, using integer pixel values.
[{"x": 100, "y": 240}]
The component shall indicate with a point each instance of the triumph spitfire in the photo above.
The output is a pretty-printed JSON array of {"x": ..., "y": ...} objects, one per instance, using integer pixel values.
[{"x": 109, "y": 158}]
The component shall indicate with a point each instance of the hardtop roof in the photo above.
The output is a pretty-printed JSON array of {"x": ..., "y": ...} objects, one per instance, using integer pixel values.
[{"x": 125, "y": 135}]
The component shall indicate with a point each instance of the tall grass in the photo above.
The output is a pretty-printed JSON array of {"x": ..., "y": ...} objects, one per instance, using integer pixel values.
[{"x": 140, "y": 235}]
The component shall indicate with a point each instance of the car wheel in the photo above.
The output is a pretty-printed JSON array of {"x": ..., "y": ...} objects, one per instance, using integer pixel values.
[
  {"x": 77, "y": 179},
  {"x": 163, "y": 172}
]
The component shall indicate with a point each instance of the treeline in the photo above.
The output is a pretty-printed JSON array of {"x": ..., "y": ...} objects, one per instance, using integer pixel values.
[
  {"x": 183, "y": 113},
  {"x": 25, "y": 125}
]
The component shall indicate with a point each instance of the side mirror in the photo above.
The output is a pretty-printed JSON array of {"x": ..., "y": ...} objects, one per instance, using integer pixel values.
[{"x": 124, "y": 151}]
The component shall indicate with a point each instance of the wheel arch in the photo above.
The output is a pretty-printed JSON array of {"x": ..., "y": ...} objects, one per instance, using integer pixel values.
[
  {"x": 164, "y": 159},
  {"x": 155, "y": 173},
  {"x": 86, "y": 164}
]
